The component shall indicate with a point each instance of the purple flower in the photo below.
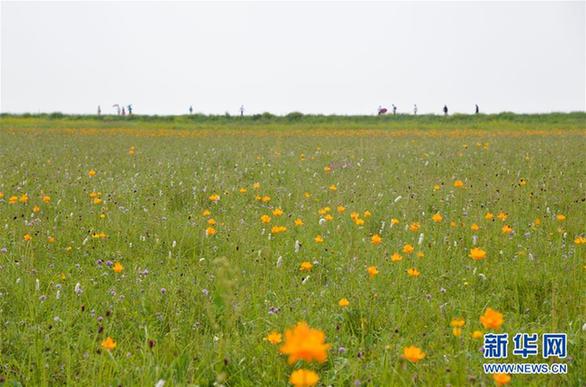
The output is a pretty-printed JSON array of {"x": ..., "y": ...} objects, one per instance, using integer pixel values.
[
  {"x": 163, "y": 290},
  {"x": 109, "y": 263}
]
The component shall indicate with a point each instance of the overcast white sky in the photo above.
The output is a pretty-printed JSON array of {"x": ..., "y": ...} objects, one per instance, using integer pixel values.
[{"x": 346, "y": 58}]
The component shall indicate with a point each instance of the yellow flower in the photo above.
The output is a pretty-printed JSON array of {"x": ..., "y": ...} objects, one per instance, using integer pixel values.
[
  {"x": 277, "y": 211},
  {"x": 414, "y": 227},
  {"x": 502, "y": 216},
  {"x": 477, "y": 335},
  {"x": 489, "y": 216},
  {"x": 256, "y": 185},
  {"x": 372, "y": 271},
  {"x": 1, "y": 195},
  {"x": 278, "y": 229},
  {"x": 306, "y": 195},
  {"x": 420, "y": 254},
  {"x": 51, "y": 239},
  {"x": 333, "y": 187},
  {"x": 340, "y": 209},
  {"x": 108, "y": 344},
  {"x": 12, "y": 200},
  {"x": 376, "y": 239},
  {"x": 408, "y": 248},
  {"x": 318, "y": 239},
  {"x": 507, "y": 229},
  {"x": 211, "y": 221},
  {"x": 211, "y": 231},
  {"x": 522, "y": 181},
  {"x": 501, "y": 379},
  {"x": 265, "y": 219},
  {"x": 46, "y": 199},
  {"x": 98, "y": 201},
  {"x": 458, "y": 184},
  {"x": 214, "y": 197},
  {"x": 437, "y": 217},
  {"x": 327, "y": 168},
  {"x": 477, "y": 254},
  {"x": 474, "y": 227},
  {"x": 436, "y": 187},
  {"x": 344, "y": 302},
  {"x": 457, "y": 331},
  {"x": 306, "y": 266},
  {"x": 91, "y": 173},
  {"x": 206, "y": 213},
  {"x": 265, "y": 199},
  {"x": 329, "y": 217},
  {"x": 537, "y": 222},
  {"x": 36, "y": 209},
  {"x": 27, "y": 237},
  {"x": 413, "y": 354},
  {"x": 492, "y": 319},
  {"x": 118, "y": 267},
  {"x": 23, "y": 198},
  {"x": 132, "y": 150},
  {"x": 298, "y": 222},
  {"x": 304, "y": 378},
  {"x": 243, "y": 190},
  {"x": 396, "y": 257},
  {"x": 413, "y": 272},
  {"x": 457, "y": 322},
  {"x": 367, "y": 214},
  {"x": 359, "y": 222},
  {"x": 560, "y": 217},
  {"x": 305, "y": 343},
  {"x": 274, "y": 337},
  {"x": 394, "y": 221},
  {"x": 580, "y": 240}
]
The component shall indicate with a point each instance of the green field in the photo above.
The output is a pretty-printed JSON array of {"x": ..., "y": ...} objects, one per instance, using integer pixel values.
[{"x": 175, "y": 207}]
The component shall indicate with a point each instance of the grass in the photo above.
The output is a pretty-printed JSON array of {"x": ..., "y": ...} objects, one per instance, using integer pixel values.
[{"x": 194, "y": 309}]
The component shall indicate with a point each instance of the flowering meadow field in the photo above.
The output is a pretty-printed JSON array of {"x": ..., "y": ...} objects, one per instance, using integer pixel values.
[{"x": 288, "y": 251}]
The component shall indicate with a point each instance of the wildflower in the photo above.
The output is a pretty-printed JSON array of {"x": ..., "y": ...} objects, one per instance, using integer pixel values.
[
  {"x": 97, "y": 201},
  {"x": 298, "y": 222},
  {"x": 474, "y": 227},
  {"x": 214, "y": 198},
  {"x": 340, "y": 209},
  {"x": 507, "y": 229},
  {"x": 277, "y": 211},
  {"x": 306, "y": 195},
  {"x": 413, "y": 354},
  {"x": 243, "y": 190},
  {"x": 396, "y": 257},
  {"x": 265, "y": 219},
  {"x": 522, "y": 181},
  {"x": 265, "y": 199},
  {"x": 91, "y": 173},
  {"x": 108, "y": 344},
  {"x": 306, "y": 266},
  {"x": 437, "y": 217},
  {"x": 436, "y": 187},
  {"x": 256, "y": 185},
  {"x": 118, "y": 267},
  {"x": 394, "y": 221},
  {"x": 420, "y": 254},
  {"x": 408, "y": 248},
  {"x": 458, "y": 184},
  {"x": 489, "y": 216},
  {"x": 206, "y": 213},
  {"x": 359, "y": 222},
  {"x": 502, "y": 216},
  {"x": 211, "y": 221},
  {"x": 327, "y": 169},
  {"x": 367, "y": 214},
  {"x": 580, "y": 240},
  {"x": 23, "y": 198},
  {"x": 274, "y": 337},
  {"x": 413, "y": 272},
  {"x": 12, "y": 200},
  {"x": 492, "y": 319},
  {"x": 457, "y": 324},
  {"x": 560, "y": 217},
  {"x": 51, "y": 239},
  {"x": 414, "y": 227},
  {"x": 278, "y": 229},
  {"x": 501, "y": 379},
  {"x": 477, "y": 335},
  {"x": 344, "y": 302},
  {"x": 536, "y": 222},
  {"x": 372, "y": 271},
  {"x": 304, "y": 378},
  {"x": 211, "y": 231},
  {"x": 46, "y": 199},
  {"x": 27, "y": 237},
  {"x": 305, "y": 343},
  {"x": 333, "y": 187},
  {"x": 477, "y": 254},
  {"x": 376, "y": 239},
  {"x": 318, "y": 239}
]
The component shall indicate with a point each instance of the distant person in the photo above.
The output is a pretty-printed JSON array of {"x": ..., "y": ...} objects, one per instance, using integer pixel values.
[
  {"x": 117, "y": 109},
  {"x": 190, "y": 110},
  {"x": 394, "y": 109},
  {"x": 445, "y": 110},
  {"x": 123, "y": 111},
  {"x": 477, "y": 111},
  {"x": 99, "y": 110},
  {"x": 381, "y": 111},
  {"x": 415, "y": 110},
  {"x": 241, "y": 110},
  {"x": 129, "y": 110}
]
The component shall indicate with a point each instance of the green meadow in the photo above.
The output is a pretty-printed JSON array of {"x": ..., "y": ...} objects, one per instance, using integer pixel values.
[{"x": 189, "y": 240}]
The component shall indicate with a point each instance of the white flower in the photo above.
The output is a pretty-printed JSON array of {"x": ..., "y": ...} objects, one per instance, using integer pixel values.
[{"x": 78, "y": 290}]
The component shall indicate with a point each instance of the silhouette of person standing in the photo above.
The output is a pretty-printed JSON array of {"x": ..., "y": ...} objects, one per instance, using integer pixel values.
[
  {"x": 445, "y": 110},
  {"x": 99, "y": 110},
  {"x": 241, "y": 110},
  {"x": 477, "y": 109},
  {"x": 123, "y": 111},
  {"x": 415, "y": 110},
  {"x": 190, "y": 110},
  {"x": 129, "y": 110},
  {"x": 394, "y": 109}
]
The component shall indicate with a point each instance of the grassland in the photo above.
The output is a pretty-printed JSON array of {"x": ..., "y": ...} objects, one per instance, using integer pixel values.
[{"x": 163, "y": 248}]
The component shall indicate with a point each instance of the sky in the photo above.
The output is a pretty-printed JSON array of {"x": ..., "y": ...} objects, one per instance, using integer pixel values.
[{"x": 279, "y": 57}]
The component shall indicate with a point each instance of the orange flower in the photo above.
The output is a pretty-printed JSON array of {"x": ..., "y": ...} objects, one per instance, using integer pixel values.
[
  {"x": 560, "y": 217},
  {"x": 340, "y": 209},
  {"x": 305, "y": 343},
  {"x": 477, "y": 254},
  {"x": 372, "y": 271},
  {"x": 413, "y": 354},
  {"x": 306, "y": 266},
  {"x": 298, "y": 222},
  {"x": 304, "y": 378},
  {"x": 211, "y": 231},
  {"x": 344, "y": 302},
  {"x": 501, "y": 379},
  {"x": 396, "y": 257},
  {"x": 474, "y": 227},
  {"x": 46, "y": 199},
  {"x": 243, "y": 190},
  {"x": 256, "y": 185},
  {"x": 502, "y": 216},
  {"x": 108, "y": 344},
  {"x": 91, "y": 173},
  {"x": 27, "y": 237},
  {"x": 489, "y": 216},
  {"x": 214, "y": 197},
  {"x": 492, "y": 319},
  {"x": 206, "y": 213},
  {"x": 414, "y": 227},
  {"x": 437, "y": 217},
  {"x": 278, "y": 229},
  {"x": 265, "y": 219},
  {"x": 477, "y": 335},
  {"x": 376, "y": 239},
  {"x": 507, "y": 229},
  {"x": 274, "y": 337},
  {"x": 408, "y": 248},
  {"x": 458, "y": 184},
  {"x": 318, "y": 239},
  {"x": 394, "y": 221},
  {"x": 118, "y": 267},
  {"x": 23, "y": 198},
  {"x": 277, "y": 211},
  {"x": 413, "y": 272},
  {"x": 333, "y": 187}
]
